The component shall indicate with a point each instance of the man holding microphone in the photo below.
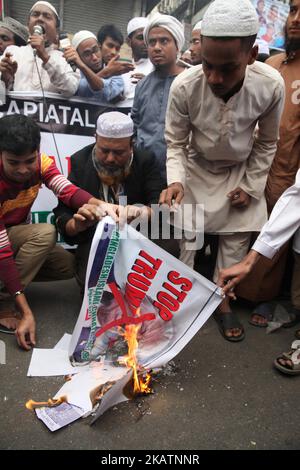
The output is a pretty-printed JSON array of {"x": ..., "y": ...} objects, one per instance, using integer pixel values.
[{"x": 39, "y": 65}]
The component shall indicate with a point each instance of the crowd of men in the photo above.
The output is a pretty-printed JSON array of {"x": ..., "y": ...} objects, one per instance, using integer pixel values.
[{"x": 212, "y": 125}]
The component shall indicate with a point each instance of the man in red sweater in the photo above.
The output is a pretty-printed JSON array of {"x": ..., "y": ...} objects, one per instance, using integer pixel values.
[{"x": 28, "y": 251}]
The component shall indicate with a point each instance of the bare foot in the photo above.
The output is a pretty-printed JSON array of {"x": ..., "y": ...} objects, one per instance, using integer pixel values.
[{"x": 10, "y": 320}]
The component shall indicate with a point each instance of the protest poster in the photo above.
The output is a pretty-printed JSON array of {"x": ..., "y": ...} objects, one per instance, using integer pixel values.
[
  {"x": 272, "y": 15},
  {"x": 130, "y": 281}
]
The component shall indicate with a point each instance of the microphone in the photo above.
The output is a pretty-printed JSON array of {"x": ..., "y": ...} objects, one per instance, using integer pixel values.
[
  {"x": 40, "y": 31},
  {"x": 64, "y": 42}
]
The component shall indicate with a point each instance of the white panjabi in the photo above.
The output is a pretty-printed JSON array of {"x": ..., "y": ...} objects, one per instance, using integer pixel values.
[
  {"x": 136, "y": 23},
  {"x": 114, "y": 125},
  {"x": 230, "y": 18},
  {"x": 82, "y": 36},
  {"x": 46, "y": 4},
  {"x": 169, "y": 23}
]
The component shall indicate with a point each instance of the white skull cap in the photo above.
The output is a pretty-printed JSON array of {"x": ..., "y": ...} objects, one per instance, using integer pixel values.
[
  {"x": 197, "y": 26},
  {"x": 230, "y": 18},
  {"x": 114, "y": 125},
  {"x": 82, "y": 36},
  {"x": 136, "y": 23},
  {"x": 46, "y": 4}
]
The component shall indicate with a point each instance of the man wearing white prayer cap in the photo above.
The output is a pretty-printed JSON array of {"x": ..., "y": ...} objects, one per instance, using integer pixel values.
[
  {"x": 85, "y": 53},
  {"x": 142, "y": 64},
  {"x": 195, "y": 44},
  {"x": 12, "y": 33},
  {"x": 39, "y": 65},
  {"x": 117, "y": 173},
  {"x": 221, "y": 130},
  {"x": 165, "y": 39}
]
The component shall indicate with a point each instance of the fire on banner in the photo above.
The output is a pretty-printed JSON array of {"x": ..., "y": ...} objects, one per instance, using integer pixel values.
[
  {"x": 141, "y": 307},
  {"x": 131, "y": 281}
]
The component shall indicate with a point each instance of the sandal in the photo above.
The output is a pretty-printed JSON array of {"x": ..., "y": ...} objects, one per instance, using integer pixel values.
[
  {"x": 229, "y": 321},
  {"x": 293, "y": 356},
  {"x": 264, "y": 310},
  {"x": 295, "y": 318}
]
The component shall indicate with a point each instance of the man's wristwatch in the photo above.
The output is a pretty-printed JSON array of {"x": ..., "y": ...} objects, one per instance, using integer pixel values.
[{"x": 19, "y": 292}]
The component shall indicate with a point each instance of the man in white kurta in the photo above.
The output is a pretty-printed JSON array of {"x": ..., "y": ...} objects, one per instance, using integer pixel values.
[
  {"x": 228, "y": 110},
  {"x": 39, "y": 65},
  {"x": 142, "y": 64}
]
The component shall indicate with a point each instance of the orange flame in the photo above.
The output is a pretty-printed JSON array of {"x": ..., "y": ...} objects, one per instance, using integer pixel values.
[
  {"x": 140, "y": 384},
  {"x": 31, "y": 404}
]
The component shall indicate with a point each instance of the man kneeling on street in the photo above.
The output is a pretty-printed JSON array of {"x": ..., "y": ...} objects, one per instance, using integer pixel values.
[{"x": 28, "y": 251}]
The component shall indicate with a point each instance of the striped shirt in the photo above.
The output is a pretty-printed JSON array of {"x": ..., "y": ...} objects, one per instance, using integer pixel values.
[{"x": 16, "y": 200}]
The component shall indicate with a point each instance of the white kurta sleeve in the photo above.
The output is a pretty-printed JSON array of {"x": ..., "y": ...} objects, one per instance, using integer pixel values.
[
  {"x": 177, "y": 133},
  {"x": 61, "y": 75},
  {"x": 265, "y": 145},
  {"x": 283, "y": 223}
]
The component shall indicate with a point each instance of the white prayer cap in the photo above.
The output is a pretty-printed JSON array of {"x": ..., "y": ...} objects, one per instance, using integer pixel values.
[
  {"x": 82, "y": 36},
  {"x": 114, "y": 125},
  {"x": 136, "y": 23},
  {"x": 15, "y": 27},
  {"x": 197, "y": 26},
  {"x": 46, "y": 4},
  {"x": 169, "y": 23},
  {"x": 230, "y": 18}
]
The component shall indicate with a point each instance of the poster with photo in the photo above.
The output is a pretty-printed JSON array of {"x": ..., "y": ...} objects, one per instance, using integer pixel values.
[{"x": 272, "y": 15}]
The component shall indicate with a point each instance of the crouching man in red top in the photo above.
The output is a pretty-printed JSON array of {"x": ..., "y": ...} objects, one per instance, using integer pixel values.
[{"x": 28, "y": 251}]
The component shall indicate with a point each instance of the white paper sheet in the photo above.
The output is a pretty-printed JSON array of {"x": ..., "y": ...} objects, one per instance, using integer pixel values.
[
  {"x": 50, "y": 362},
  {"x": 59, "y": 416},
  {"x": 79, "y": 388},
  {"x": 64, "y": 342}
]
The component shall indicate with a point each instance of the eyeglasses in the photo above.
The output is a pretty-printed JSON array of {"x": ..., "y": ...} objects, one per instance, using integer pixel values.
[{"x": 88, "y": 54}]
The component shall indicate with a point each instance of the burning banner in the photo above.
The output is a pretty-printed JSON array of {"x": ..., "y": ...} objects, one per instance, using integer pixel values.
[{"x": 141, "y": 307}]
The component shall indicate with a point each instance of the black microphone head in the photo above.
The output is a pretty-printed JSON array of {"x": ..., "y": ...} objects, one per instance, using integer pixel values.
[{"x": 39, "y": 29}]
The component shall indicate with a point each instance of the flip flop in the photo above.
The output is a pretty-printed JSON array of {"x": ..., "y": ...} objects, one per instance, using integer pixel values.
[
  {"x": 229, "y": 321},
  {"x": 265, "y": 311},
  {"x": 293, "y": 356},
  {"x": 295, "y": 318}
]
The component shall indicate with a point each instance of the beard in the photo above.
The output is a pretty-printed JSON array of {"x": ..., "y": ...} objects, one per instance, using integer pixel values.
[
  {"x": 111, "y": 175},
  {"x": 291, "y": 44}
]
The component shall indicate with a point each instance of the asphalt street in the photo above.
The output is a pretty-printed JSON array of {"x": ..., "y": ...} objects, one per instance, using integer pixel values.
[{"x": 214, "y": 395}]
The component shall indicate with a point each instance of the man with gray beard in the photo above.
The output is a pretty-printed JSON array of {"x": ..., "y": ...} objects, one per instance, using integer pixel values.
[{"x": 111, "y": 168}]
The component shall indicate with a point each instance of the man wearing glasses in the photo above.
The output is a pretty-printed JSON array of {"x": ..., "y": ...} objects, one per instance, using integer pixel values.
[{"x": 86, "y": 54}]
